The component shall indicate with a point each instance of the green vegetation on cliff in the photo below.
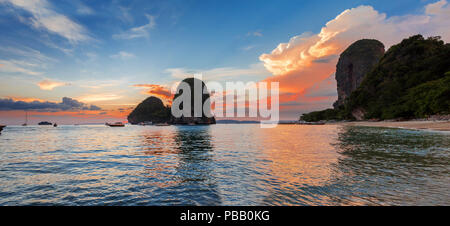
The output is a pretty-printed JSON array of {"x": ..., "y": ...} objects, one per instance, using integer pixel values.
[
  {"x": 194, "y": 84},
  {"x": 412, "y": 80},
  {"x": 328, "y": 114},
  {"x": 151, "y": 109}
]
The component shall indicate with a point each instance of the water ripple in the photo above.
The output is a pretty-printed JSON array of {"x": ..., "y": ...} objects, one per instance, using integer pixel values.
[{"x": 223, "y": 165}]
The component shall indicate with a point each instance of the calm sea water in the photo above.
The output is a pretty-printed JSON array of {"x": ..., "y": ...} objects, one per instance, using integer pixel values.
[{"x": 223, "y": 165}]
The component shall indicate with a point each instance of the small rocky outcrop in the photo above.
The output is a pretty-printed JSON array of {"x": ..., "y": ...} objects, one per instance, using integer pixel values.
[
  {"x": 204, "y": 119},
  {"x": 151, "y": 109},
  {"x": 354, "y": 63}
]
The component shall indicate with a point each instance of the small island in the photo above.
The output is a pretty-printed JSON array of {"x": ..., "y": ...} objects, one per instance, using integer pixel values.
[{"x": 153, "y": 111}]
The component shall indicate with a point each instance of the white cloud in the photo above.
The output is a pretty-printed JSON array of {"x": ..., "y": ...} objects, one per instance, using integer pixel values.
[
  {"x": 91, "y": 56},
  {"x": 29, "y": 54},
  {"x": 255, "y": 33},
  {"x": 84, "y": 10},
  {"x": 98, "y": 97},
  {"x": 138, "y": 32},
  {"x": 125, "y": 15},
  {"x": 256, "y": 71},
  {"x": 101, "y": 84},
  {"x": 123, "y": 55},
  {"x": 43, "y": 16},
  {"x": 247, "y": 48},
  {"x": 17, "y": 67},
  {"x": 50, "y": 85},
  {"x": 303, "y": 65},
  {"x": 352, "y": 25},
  {"x": 23, "y": 60}
]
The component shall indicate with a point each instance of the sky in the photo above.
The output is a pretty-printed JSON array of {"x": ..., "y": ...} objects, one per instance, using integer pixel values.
[{"x": 93, "y": 61}]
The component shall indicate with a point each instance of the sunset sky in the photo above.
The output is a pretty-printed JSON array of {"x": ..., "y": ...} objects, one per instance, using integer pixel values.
[{"x": 86, "y": 61}]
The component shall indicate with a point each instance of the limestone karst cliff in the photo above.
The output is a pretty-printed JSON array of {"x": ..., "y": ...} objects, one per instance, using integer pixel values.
[
  {"x": 411, "y": 80},
  {"x": 151, "y": 109},
  {"x": 204, "y": 119},
  {"x": 354, "y": 63}
]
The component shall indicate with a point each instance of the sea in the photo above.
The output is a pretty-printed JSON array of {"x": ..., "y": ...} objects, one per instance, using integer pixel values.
[{"x": 223, "y": 164}]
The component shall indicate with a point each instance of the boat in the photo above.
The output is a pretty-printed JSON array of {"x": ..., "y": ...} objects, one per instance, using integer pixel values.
[
  {"x": 117, "y": 124},
  {"x": 26, "y": 119}
]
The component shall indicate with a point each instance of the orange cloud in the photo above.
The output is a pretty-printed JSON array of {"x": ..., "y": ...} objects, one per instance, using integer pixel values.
[
  {"x": 308, "y": 60},
  {"x": 50, "y": 85},
  {"x": 60, "y": 113},
  {"x": 158, "y": 91},
  {"x": 25, "y": 99}
]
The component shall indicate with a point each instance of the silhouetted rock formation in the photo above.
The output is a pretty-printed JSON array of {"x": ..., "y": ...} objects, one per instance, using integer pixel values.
[
  {"x": 354, "y": 63},
  {"x": 151, "y": 109},
  {"x": 205, "y": 100}
]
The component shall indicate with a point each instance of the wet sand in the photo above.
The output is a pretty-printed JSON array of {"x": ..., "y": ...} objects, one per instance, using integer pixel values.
[{"x": 418, "y": 125}]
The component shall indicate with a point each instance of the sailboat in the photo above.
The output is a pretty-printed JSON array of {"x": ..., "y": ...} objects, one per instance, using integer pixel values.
[{"x": 26, "y": 119}]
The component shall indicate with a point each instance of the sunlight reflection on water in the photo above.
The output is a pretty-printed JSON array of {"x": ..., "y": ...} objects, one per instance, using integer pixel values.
[{"x": 223, "y": 165}]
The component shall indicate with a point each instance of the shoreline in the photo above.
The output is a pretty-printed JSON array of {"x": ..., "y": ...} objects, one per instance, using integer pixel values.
[{"x": 413, "y": 124}]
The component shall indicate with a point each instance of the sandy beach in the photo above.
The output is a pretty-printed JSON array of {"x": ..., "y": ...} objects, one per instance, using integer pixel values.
[{"x": 418, "y": 125}]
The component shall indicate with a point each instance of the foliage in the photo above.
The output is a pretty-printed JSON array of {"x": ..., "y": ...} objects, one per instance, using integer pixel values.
[
  {"x": 151, "y": 109},
  {"x": 410, "y": 81}
]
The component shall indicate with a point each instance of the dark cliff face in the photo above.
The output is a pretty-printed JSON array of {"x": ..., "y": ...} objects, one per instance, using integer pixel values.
[
  {"x": 151, "y": 109},
  {"x": 411, "y": 80},
  {"x": 354, "y": 63},
  {"x": 194, "y": 120}
]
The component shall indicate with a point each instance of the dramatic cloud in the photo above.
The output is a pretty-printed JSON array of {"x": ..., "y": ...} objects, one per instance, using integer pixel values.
[
  {"x": 138, "y": 32},
  {"x": 43, "y": 16},
  {"x": 50, "y": 85},
  {"x": 67, "y": 104},
  {"x": 123, "y": 55},
  {"x": 157, "y": 90},
  {"x": 309, "y": 59}
]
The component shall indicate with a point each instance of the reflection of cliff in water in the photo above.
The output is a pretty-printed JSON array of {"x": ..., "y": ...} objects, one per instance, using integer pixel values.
[
  {"x": 195, "y": 168},
  {"x": 378, "y": 164},
  {"x": 180, "y": 166}
]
